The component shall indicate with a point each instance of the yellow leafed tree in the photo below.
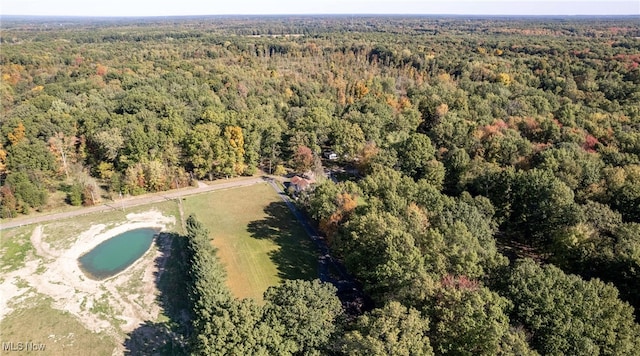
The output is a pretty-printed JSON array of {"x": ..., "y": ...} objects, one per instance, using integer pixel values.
[
  {"x": 236, "y": 141},
  {"x": 3, "y": 160},
  {"x": 17, "y": 135}
]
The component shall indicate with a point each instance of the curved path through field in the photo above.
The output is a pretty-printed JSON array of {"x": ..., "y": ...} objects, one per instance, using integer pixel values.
[{"x": 130, "y": 202}]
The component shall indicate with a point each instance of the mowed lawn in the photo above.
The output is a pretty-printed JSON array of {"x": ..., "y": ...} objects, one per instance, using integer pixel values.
[{"x": 259, "y": 241}]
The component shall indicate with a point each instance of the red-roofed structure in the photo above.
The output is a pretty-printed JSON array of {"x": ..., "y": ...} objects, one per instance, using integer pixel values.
[{"x": 300, "y": 184}]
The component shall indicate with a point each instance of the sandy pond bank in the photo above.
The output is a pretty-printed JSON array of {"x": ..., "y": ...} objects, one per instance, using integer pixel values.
[{"x": 115, "y": 305}]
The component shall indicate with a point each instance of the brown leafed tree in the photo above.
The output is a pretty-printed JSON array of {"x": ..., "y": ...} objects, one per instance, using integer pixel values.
[{"x": 303, "y": 159}]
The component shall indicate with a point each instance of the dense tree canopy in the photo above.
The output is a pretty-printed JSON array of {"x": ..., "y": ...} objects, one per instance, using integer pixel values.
[
  {"x": 391, "y": 330},
  {"x": 568, "y": 315},
  {"x": 462, "y": 144}
]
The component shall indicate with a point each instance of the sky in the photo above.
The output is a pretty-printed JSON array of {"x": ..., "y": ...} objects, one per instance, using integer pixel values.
[{"x": 265, "y": 7}]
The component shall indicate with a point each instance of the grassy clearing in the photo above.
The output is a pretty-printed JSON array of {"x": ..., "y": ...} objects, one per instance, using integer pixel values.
[
  {"x": 15, "y": 247},
  {"x": 229, "y": 180},
  {"x": 61, "y": 333},
  {"x": 259, "y": 241}
]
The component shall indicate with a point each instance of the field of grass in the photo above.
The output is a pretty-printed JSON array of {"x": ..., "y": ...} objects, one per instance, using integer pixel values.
[
  {"x": 60, "y": 332},
  {"x": 259, "y": 241},
  {"x": 15, "y": 247}
]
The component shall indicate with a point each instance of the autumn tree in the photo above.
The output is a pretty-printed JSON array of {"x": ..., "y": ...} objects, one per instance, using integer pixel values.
[
  {"x": 366, "y": 157},
  {"x": 8, "y": 202},
  {"x": 303, "y": 159},
  {"x": 109, "y": 143},
  {"x": 156, "y": 177},
  {"x": 63, "y": 148},
  {"x": 17, "y": 135},
  {"x": 235, "y": 138},
  {"x": 3, "y": 160}
]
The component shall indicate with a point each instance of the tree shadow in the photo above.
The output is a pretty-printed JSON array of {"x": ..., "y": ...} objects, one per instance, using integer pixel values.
[
  {"x": 154, "y": 338},
  {"x": 297, "y": 255},
  {"x": 169, "y": 336},
  {"x": 301, "y": 258}
]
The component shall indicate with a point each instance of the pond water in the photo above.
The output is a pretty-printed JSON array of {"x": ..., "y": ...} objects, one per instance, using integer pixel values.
[{"x": 117, "y": 253}]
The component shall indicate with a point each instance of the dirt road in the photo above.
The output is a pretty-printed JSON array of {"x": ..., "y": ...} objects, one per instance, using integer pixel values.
[{"x": 130, "y": 202}]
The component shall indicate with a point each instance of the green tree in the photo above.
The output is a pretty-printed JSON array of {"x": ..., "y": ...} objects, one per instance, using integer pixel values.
[
  {"x": 456, "y": 163},
  {"x": 540, "y": 204},
  {"x": 391, "y": 330},
  {"x": 304, "y": 313},
  {"x": 467, "y": 319},
  {"x": 575, "y": 167},
  {"x": 348, "y": 138},
  {"x": 203, "y": 146},
  {"x": 388, "y": 188},
  {"x": 379, "y": 249},
  {"x": 28, "y": 192},
  {"x": 414, "y": 155},
  {"x": 623, "y": 185},
  {"x": 30, "y": 156},
  {"x": 568, "y": 315},
  {"x": 75, "y": 195},
  {"x": 207, "y": 291}
]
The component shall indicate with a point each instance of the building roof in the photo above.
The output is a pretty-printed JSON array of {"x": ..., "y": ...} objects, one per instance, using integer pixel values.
[{"x": 300, "y": 183}]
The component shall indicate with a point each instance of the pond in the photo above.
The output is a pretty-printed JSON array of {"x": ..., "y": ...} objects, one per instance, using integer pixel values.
[{"x": 117, "y": 253}]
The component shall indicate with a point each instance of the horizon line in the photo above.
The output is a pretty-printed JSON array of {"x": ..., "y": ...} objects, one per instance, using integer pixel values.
[{"x": 324, "y": 14}]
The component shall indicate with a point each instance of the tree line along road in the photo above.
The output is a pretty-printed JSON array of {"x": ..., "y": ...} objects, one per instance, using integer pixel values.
[{"x": 129, "y": 202}]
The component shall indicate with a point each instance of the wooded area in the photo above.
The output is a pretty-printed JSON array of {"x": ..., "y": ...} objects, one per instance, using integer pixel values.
[{"x": 496, "y": 204}]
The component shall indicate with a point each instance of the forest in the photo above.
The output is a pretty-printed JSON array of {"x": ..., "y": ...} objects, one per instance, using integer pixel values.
[{"x": 491, "y": 197}]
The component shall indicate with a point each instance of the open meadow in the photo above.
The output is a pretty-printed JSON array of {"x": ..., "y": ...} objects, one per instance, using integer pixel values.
[{"x": 259, "y": 241}]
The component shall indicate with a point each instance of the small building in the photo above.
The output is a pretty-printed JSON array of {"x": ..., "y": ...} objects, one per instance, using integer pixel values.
[
  {"x": 330, "y": 155},
  {"x": 300, "y": 184}
]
